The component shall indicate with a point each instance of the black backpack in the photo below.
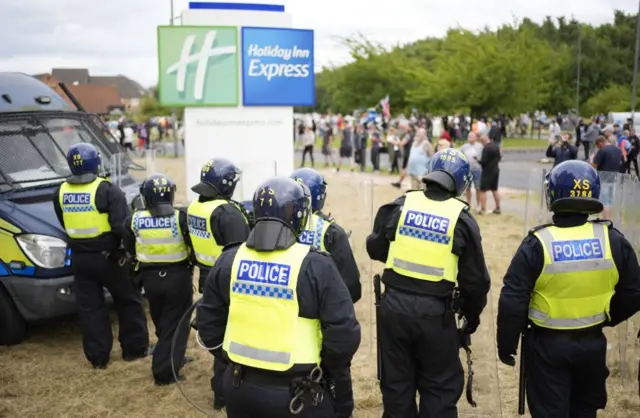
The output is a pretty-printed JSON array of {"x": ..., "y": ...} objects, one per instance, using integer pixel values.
[{"x": 635, "y": 147}]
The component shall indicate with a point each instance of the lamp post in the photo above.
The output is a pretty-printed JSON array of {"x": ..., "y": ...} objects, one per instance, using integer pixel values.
[
  {"x": 174, "y": 113},
  {"x": 635, "y": 69}
]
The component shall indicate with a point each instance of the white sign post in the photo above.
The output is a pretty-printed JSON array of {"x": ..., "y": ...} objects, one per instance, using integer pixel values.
[{"x": 259, "y": 139}]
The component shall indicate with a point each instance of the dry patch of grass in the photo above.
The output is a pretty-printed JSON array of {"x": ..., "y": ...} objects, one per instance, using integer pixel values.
[{"x": 47, "y": 376}]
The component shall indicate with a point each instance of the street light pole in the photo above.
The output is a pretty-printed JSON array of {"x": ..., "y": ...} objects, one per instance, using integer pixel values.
[
  {"x": 174, "y": 114},
  {"x": 578, "y": 70},
  {"x": 635, "y": 69}
]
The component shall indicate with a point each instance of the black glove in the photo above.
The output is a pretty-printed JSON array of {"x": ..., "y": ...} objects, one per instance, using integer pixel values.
[
  {"x": 464, "y": 339},
  {"x": 470, "y": 325},
  {"x": 507, "y": 358}
]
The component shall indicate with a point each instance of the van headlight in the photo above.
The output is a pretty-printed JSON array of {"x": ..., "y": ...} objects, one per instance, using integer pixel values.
[{"x": 45, "y": 251}]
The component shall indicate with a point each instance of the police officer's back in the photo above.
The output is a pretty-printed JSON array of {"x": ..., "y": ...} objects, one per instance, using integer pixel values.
[
  {"x": 214, "y": 219},
  {"x": 278, "y": 309},
  {"x": 325, "y": 234},
  {"x": 92, "y": 212},
  {"x": 567, "y": 280},
  {"x": 158, "y": 238},
  {"x": 429, "y": 241}
]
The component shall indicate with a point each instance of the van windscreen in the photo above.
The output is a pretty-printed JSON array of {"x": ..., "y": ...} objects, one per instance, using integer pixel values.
[{"x": 34, "y": 146}]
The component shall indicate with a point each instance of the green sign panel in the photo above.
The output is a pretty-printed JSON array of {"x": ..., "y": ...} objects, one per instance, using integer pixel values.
[{"x": 198, "y": 65}]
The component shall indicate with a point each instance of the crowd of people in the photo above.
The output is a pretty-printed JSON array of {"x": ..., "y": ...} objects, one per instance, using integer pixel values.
[{"x": 410, "y": 146}]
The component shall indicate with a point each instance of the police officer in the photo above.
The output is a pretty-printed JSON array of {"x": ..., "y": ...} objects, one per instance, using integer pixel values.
[
  {"x": 215, "y": 221},
  {"x": 158, "y": 238},
  {"x": 277, "y": 310},
  {"x": 567, "y": 281},
  {"x": 429, "y": 241},
  {"x": 92, "y": 212},
  {"x": 326, "y": 235}
]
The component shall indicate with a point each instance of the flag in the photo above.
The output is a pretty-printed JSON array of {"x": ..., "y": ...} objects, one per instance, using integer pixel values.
[{"x": 386, "y": 107}]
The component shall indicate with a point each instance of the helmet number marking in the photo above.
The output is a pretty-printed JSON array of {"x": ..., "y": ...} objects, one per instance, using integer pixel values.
[
  {"x": 581, "y": 188},
  {"x": 264, "y": 193},
  {"x": 77, "y": 159},
  {"x": 161, "y": 185}
]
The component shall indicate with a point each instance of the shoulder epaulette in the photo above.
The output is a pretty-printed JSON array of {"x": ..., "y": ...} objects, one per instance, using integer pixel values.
[
  {"x": 466, "y": 205},
  {"x": 539, "y": 227},
  {"x": 231, "y": 245},
  {"x": 603, "y": 221},
  {"x": 319, "y": 251},
  {"x": 326, "y": 217}
]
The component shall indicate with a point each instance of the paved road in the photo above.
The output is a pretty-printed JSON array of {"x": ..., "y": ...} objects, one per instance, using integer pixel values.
[{"x": 515, "y": 170}]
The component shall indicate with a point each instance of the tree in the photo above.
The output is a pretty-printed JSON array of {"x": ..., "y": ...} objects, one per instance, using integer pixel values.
[{"x": 519, "y": 67}]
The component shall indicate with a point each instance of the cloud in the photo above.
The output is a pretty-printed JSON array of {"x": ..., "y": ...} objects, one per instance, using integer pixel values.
[{"x": 119, "y": 36}]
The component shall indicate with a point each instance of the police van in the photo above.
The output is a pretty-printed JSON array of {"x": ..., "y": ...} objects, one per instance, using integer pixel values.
[{"x": 37, "y": 127}]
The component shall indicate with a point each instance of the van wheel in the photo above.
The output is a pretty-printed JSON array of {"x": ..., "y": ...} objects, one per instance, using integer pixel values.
[{"x": 13, "y": 328}]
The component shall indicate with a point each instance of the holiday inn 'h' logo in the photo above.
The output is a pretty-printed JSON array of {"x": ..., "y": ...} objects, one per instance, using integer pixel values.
[{"x": 198, "y": 65}]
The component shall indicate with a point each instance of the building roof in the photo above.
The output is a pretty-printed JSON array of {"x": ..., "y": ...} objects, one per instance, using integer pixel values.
[
  {"x": 94, "y": 98},
  {"x": 97, "y": 98},
  {"x": 128, "y": 88},
  {"x": 71, "y": 75}
]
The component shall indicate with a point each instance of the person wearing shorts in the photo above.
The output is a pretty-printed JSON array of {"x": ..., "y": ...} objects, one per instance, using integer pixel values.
[
  {"x": 489, "y": 161},
  {"x": 473, "y": 151},
  {"x": 346, "y": 147}
]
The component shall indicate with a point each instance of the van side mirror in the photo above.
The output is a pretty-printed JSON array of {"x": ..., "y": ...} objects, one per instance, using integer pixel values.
[{"x": 137, "y": 203}]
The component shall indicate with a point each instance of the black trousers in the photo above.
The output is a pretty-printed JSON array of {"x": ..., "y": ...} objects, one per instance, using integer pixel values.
[
  {"x": 566, "y": 373},
  {"x": 586, "y": 146},
  {"x": 93, "y": 272},
  {"x": 170, "y": 295},
  {"x": 307, "y": 150},
  {"x": 419, "y": 349},
  {"x": 251, "y": 400},
  {"x": 202, "y": 277}
]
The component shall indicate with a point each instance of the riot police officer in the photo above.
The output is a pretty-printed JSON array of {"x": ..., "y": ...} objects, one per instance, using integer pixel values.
[
  {"x": 215, "y": 221},
  {"x": 158, "y": 238},
  {"x": 326, "y": 235},
  {"x": 429, "y": 242},
  {"x": 567, "y": 281},
  {"x": 278, "y": 310},
  {"x": 92, "y": 212}
]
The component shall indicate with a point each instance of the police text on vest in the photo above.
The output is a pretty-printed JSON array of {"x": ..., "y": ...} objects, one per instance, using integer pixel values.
[
  {"x": 197, "y": 223},
  {"x": 426, "y": 222},
  {"x": 576, "y": 250},
  {"x": 76, "y": 199},
  {"x": 307, "y": 237},
  {"x": 150, "y": 222},
  {"x": 264, "y": 272}
]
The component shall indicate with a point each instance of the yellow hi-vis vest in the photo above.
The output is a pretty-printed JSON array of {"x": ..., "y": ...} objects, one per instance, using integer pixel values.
[
  {"x": 264, "y": 329},
  {"x": 205, "y": 247},
  {"x": 158, "y": 239},
  {"x": 424, "y": 239},
  {"x": 79, "y": 213},
  {"x": 578, "y": 279},
  {"x": 315, "y": 237}
]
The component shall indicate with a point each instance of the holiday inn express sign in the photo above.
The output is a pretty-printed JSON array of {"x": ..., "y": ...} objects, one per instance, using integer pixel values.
[{"x": 211, "y": 66}]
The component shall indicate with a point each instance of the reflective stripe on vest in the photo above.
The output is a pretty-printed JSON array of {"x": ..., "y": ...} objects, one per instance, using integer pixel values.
[
  {"x": 578, "y": 279},
  {"x": 79, "y": 212},
  {"x": 264, "y": 329},
  {"x": 205, "y": 247},
  {"x": 315, "y": 236},
  {"x": 158, "y": 239},
  {"x": 424, "y": 239}
]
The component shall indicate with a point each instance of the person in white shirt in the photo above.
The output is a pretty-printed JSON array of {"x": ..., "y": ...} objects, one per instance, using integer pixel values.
[
  {"x": 128, "y": 138},
  {"x": 473, "y": 151},
  {"x": 308, "y": 140}
]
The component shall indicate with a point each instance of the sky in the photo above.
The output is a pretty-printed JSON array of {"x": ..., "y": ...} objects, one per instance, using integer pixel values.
[{"x": 119, "y": 36}]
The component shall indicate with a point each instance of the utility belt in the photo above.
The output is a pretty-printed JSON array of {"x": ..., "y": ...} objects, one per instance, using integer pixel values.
[
  {"x": 435, "y": 298},
  {"x": 567, "y": 334},
  {"x": 304, "y": 387}
]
